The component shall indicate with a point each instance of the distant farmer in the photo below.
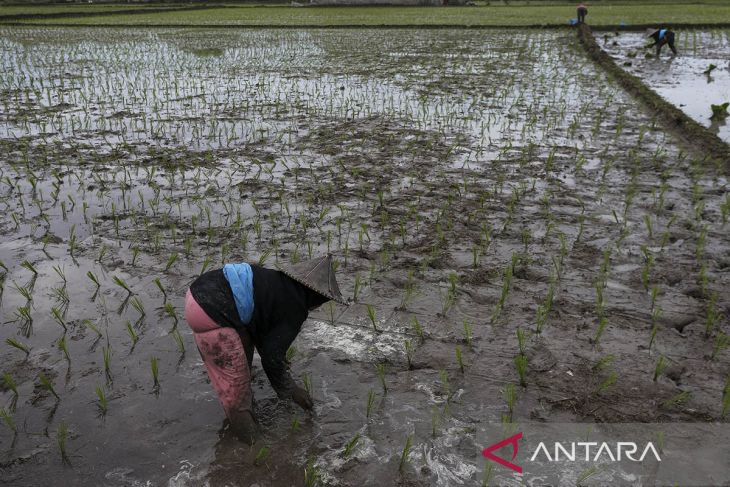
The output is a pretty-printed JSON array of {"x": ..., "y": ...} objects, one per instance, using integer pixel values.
[
  {"x": 242, "y": 306},
  {"x": 662, "y": 37},
  {"x": 582, "y": 12}
]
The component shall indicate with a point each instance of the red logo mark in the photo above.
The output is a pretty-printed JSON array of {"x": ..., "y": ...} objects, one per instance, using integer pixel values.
[{"x": 487, "y": 452}]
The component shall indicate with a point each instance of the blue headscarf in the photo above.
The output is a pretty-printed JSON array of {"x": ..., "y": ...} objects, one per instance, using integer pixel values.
[{"x": 240, "y": 278}]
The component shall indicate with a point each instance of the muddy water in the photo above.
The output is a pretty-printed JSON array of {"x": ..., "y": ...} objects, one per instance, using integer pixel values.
[
  {"x": 432, "y": 164},
  {"x": 683, "y": 79}
]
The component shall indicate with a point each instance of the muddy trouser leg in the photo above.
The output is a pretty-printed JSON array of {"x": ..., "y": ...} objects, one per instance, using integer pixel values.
[
  {"x": 248, "y": 345},
  {"x": 671, "y": 43},
  {"x": 228, "y": 367}
]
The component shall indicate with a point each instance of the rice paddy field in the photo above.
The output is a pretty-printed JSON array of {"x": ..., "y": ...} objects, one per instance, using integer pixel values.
[
  {"x": 521, "y": 241},
  {"x": 694, "y": 81},
  {"x": 498, "y": 13}
]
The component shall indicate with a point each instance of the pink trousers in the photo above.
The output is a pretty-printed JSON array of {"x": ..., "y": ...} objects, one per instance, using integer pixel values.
[{"x": 224, "y": 358}]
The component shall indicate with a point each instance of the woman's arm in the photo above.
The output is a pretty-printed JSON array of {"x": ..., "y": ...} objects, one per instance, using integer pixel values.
[{"x": 272, "y": 349}]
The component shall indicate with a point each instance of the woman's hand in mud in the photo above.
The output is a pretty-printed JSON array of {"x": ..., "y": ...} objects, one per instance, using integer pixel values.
[{"x": 301, "y": 397}]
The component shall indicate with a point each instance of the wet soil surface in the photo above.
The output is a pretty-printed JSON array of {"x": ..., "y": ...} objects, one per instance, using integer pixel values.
[
  {"x": 683, "y": 80},
  {"x": 490, "y": 197}
]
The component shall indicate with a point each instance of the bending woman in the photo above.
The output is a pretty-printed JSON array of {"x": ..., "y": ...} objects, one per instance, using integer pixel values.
[{"x": 244, "y": 306}]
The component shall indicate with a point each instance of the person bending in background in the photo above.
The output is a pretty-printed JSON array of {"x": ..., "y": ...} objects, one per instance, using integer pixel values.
[
  {"x": 662, "y": 37},
  {"x": 242, "y": 306},
  {"x": 582, "y": 12}
]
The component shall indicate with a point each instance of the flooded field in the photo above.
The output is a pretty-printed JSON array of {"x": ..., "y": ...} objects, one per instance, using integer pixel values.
[
  {"x": 696, "y": 79},
  {"x": 520, "y": 240}
]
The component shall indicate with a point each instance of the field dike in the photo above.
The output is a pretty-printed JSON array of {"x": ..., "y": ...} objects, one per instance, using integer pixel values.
[
  {"x": 97, "y": 13},
  {"x": 686, "y": 129}
]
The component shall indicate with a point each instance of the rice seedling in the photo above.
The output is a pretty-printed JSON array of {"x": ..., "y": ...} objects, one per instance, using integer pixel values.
[
  {"x": 91, "y": 326},
  {"x": 371, "y": 315},
  {"x": 405, "y": 452},
  {"x": 509, "y": 394},
  {"x": 449, "y": 299},
  {"x": 61, "y": 438},
  {"x": 648, "y": 262},
  {"x": 408, "y": 291},
  {"x": 607, "y": 383},
  {"x": 139, "y": 307},
  {"x": 307, "y": 381},
  {"x": 63, "y": 347},
  {"x": 467, "y": 333},
  {"x": 20, "y": 346},
  {"x": 9, "y": 383},
  {"x": 295, "y": 425},
  {"x": 586, "y": 474},
  {"x": 726, "y": 398},
  {"x": 155, "y": 374},
  {"x": 27, "y": 265},
  {"x": 445, "y": 384},
  {"x": 60, "y": 295},
  {"x": 677, "y": 400},
  {"x": 380, "y": 370},
  {"x": 133, "y": 335},
  {"x": 725, "y": 210},
  {"x": 459, "y": 358},
  {"x": 721, "y": 343},
  {"x": 206, "y": 263},
  {"x": 159, "y": 285},
  {"x": 312, "y": 474},
  {"x": 102, "y": 253},
  {"x": 178, "y": 341},
  {"x": 602, "y": 322},
  {"x": 417, "y": 328},
  {"x": 521, "y": 339},
  {"x": 172, "y": 313},
  {"x": 649, "y": 228},
  {"x": 106, "y": 353},
  {"x": 521, "y": 368},
  {"x": 350, "y": 446},
  {"x": 660, "y": 367},
  {"x": 261, "y": 456},
  {"x": 102, "y": 404},
  {"x": 47, "y": 384},
  {"x": 358, "y": 287},
  {"x": 58, "y": 270},
  {"x": 506, "y": 283},
  {"x": 603, "y": 362},
  {"x": 171, "y": 261},
  {"x": 92, "y": 277},
  {"x": 704, "y": 278},
  {"x": 713, "y": 315},
  {"x": 8, "y": 420},
  {"x": 370, "y": 403},
  {"x": 435, "y": 421},
  {"x": 701, "y": 243},
  {"x": 489, "y": 466},
  {"x": 135, "y": 254},
  {"x": 58, "y": 316},
  {"x": 408, "y": 346},
  {"x": 291, "y": 353},
  {"x": 26, "y": 292},
  {"x": 120, "y": 282}
]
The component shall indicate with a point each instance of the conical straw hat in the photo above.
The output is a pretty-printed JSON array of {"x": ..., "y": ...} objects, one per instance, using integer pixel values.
[{"x": 317, "y": 274}]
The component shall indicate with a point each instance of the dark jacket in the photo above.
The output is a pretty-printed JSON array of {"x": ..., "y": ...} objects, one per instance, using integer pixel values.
[{"x": 281, "y": 305}]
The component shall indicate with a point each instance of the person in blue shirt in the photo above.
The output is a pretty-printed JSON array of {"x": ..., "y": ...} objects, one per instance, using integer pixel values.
[
  {"x": 244, "y": 306},
  {"x": 661, "y": 37}
]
